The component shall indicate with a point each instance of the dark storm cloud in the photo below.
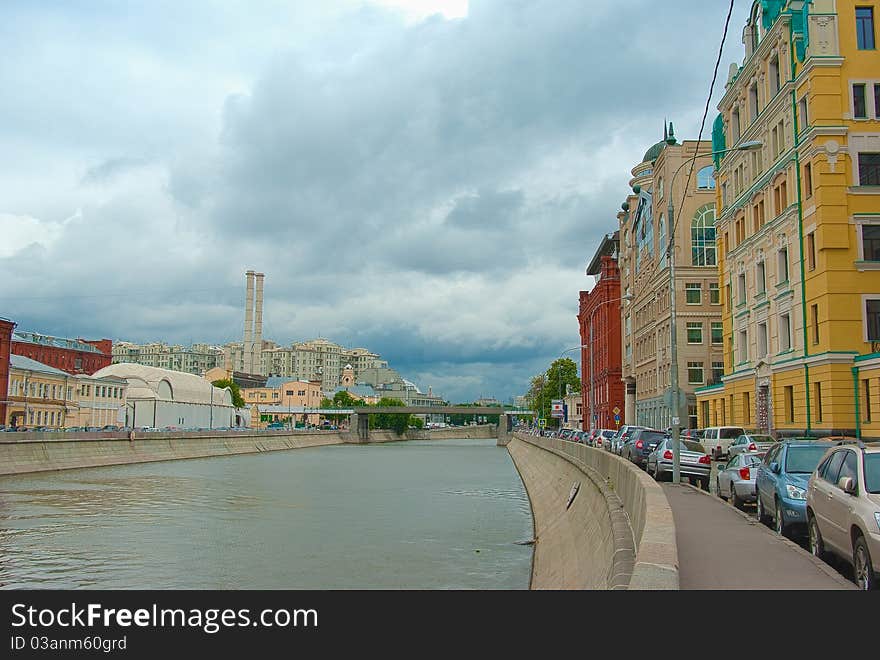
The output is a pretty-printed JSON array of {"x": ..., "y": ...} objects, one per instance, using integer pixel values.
[{"x": 429, "y": 190}]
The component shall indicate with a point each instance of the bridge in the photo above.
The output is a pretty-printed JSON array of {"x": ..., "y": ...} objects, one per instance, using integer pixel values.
[{"x": 359, "y": 423}]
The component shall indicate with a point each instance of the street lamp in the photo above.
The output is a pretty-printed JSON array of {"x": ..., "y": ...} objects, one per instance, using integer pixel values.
[
  {"x": 675, "y": 391},
  {"x": 559, "y": 366}
]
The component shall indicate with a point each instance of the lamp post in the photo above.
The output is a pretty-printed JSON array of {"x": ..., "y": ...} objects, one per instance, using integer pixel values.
[
  {"x": 675, "y": 391},
  {"x": 559, "y": 367}
]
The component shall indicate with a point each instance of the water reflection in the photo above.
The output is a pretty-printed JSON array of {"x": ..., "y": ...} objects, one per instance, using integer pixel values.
[{"x": 443, "y": 514}]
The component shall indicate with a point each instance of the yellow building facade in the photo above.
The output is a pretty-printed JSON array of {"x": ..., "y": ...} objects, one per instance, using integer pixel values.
[{"x": 799, "y": 223}]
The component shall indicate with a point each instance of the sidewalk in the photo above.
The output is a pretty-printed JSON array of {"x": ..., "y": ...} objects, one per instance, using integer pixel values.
[{"x": 721, "y": 548}]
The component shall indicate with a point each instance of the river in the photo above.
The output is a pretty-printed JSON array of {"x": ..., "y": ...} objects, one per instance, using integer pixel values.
[{"x": 442, "y": 514}]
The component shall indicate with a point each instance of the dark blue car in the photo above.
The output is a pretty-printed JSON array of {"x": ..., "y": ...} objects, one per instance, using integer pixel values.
[{"x": 782, "y": 482}]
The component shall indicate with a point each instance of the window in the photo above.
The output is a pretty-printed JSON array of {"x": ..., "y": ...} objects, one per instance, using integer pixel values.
[
  {"x": 743, "y": 347},
  {"x": 811, "y": 250},
  {"x": 695, "y": 373},
  {"x": 774, "y": 79},
  {"x": 784, "y": 332},
  {"x": 693, "y": 294},
  {"x": 703, "y": 236},
  {"x": 817, "y": 400},
  {"x": 753, "y": 101},
  {"x": 814, "y": 322},
  {"x": 865, "y": 28},
  {"x": 714, "y": 294},
  {"x": 717, "y": 371},
  {"x": 789, "y": 403},
  {"x": 808, "y": 179},
  {"x": 706, "y": 178},
  {"x": 758, "y": 215},
  {"x": 805, "y": 118},
  {"x": 747, "y": 408},
  {"x": 866, "y": 387},
  {"x": 782, "y": 266},
  {"x": 660, "y": 188},
  {"x": 760, "y": 278},
  {"x": 717, "y": 332},
  {"x": 695, "y": 333},
  {"x": 741, "y": 288},
  {"x": 762, "y": 340},
  {"x": 832, "y": 467},
  {"x": 872, "y": 312},
  {"x": 869, "y": 169},
  {"x": 877, "y": 100},
  {"x": 860, "y": 106},
  {"x": 735, "y": 126}
]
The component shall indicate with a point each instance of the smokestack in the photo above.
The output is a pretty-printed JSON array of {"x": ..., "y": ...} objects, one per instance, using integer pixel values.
[
  {"x": 249, "y": 323},
  {"x": 258, "y": 326}
]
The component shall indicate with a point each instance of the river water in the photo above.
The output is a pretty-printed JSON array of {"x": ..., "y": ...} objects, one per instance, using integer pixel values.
[{"x": 443, "y": 514}]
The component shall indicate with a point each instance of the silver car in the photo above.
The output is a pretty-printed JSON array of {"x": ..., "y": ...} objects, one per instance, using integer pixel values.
[
  {"x": 750, "y": 442},
  {"x": 694, "y": 463},
  {"x": 735, "y": 481}
]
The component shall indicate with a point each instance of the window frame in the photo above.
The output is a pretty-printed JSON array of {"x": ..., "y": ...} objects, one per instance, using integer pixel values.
[{"x": 861, "y": 42}]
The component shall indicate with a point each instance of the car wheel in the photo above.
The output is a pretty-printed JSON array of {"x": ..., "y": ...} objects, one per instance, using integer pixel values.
[
  {"x": 734, "y": 498},
  {"x": 817, "y": 545},
  {"x": 762, "y": 514},
  {"x": 779, "y": 521},
  {"x": 718, "y": 489},
  {"x": 864, "y": 569}
]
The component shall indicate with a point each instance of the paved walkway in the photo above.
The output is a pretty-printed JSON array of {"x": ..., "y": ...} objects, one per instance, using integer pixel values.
[{"x": 722, "y": 548}]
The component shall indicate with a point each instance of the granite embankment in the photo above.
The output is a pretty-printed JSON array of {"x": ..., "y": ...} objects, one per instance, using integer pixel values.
[
  {"x": 600, "y": 522},
  {"x": 47, "y": 451}
]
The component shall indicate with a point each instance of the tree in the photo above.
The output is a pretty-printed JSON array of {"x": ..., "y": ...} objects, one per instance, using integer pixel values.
[
  {"x": 343, "y": 399},
  {"x": 237, "y": 399},
  {"x": 560, "y": 376},
  {"x": 393, "y": 421}
]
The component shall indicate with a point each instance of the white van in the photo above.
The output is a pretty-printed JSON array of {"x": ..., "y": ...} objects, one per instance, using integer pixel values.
[{"x": 716, "y": 439}]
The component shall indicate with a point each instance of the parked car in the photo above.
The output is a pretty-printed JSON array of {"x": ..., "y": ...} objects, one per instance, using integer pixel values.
[
  {"x": 735, "y": 481},
  {"x": 716, "y": 439},
  {"x": 110, "y": 427},
  {"x": 750, "y": 442},
  {"x": 692, "y": 434},
  {"x": 782, "y": 482},
  {"x": 640, "y": 444},
  {"x": 603, "y": 437},
  {"x": 843, "y": 509},
  {"x": 694, "y": 462},
  {"x": 622, "y": 434}
]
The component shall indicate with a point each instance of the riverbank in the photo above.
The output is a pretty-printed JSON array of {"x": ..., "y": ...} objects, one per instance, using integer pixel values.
[
  {"x": 22, "y": 453},
  {"x": 600, "y": 522}
]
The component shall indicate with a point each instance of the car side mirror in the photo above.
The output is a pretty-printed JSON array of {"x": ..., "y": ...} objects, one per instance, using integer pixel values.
[
  {"x": 774, "y": 467},
  {"x": 847, "y": 485}
]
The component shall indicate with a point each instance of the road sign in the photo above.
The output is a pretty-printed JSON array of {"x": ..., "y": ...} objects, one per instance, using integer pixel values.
[
  {"x": 617, "y": 419},
  {"x": 616, "y": 411},
  {"x": 542, "y": 422},
  {"x": 557, "y": 408}
]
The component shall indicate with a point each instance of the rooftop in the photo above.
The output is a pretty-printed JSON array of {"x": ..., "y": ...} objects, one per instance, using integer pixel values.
[
  {"x": 55, "y": 342},
  {"x": 26, "y": 364}
]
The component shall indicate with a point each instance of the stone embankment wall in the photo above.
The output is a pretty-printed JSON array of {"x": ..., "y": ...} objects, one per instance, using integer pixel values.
[
  {"x": 617, "y": 533},
  {"x": 41, "y": 454}
]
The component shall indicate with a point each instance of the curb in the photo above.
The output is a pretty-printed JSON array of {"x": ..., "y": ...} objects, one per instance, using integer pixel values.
[{"x": 821, "y": 565}]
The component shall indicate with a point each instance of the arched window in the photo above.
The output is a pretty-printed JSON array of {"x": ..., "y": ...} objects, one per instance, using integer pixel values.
[
  {"x": 661, "y": 241},
  {"x": 706, "y": 178},
  {"x": 703, "y": 236}
]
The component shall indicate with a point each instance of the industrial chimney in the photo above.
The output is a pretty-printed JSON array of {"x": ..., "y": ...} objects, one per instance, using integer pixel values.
[
  {"x": 258, "y": 327},
  {"x": 248, "y": 347}
]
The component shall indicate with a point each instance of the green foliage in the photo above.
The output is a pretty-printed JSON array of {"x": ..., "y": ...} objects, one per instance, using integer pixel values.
[
  {"x": 395, "y": 422},
  {"x": 343, "y": 399},
  {"x": 561, "y": 374},
  {"x": 416, "y": 422},
  {"x": 237, "y": 399}
]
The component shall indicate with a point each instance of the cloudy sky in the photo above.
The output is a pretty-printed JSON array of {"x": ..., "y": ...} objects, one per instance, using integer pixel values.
[{"x": 425, "y": 178}]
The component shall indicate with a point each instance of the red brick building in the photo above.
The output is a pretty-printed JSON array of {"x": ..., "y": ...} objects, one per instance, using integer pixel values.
[
  {"x": 75, "y": 356},
  {"x": 6, "y": 328},
  {"x": 599, "y": 316}
]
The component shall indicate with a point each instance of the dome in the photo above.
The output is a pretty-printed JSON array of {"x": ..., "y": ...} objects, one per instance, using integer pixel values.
[{"x": 652, "y": 153}]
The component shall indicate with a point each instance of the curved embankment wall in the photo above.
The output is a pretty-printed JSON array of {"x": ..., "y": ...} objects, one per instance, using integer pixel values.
[
  {"x": 617, "y": 533},
  {"x": 45, "y": 454}
]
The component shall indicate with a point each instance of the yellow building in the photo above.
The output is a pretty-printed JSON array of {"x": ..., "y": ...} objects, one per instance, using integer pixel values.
[
  {"x": 282, "y": 399},
  {"x": 42, "y": 396},
  {"x": 799, "y": 223}
]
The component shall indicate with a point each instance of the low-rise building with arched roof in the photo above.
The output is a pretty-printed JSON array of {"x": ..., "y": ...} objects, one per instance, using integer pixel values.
[{"x": 163, "y": 398}]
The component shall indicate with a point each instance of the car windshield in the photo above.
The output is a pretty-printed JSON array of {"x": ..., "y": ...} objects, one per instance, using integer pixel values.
[
  {"x": 803, "y": 460},
  {"x": 731, "y": 433},
  {"x": 691, "y": 446},
  {"x": 872, "y": 473},
  {"x": 752, "y": 459},
  {"x": 762, "y": 438},
  {"x": 654, "y": 436}
]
